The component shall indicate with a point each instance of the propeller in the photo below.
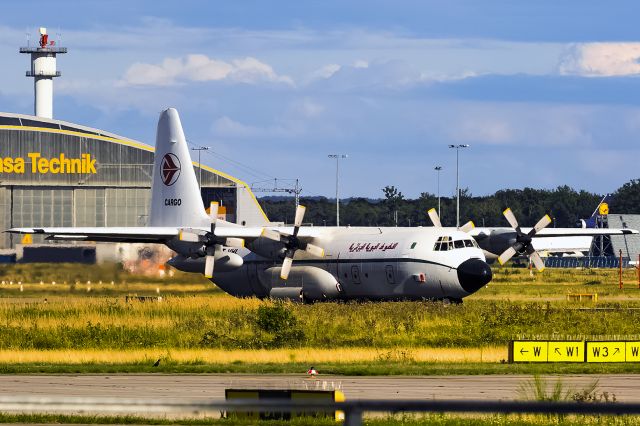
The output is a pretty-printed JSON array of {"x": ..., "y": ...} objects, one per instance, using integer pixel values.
[
  {"x": 523, "y": 242},
  {"x": 435, "y": 219},
  {"x": 212, "y": 244},
  {"x": 292, "y": 243}
]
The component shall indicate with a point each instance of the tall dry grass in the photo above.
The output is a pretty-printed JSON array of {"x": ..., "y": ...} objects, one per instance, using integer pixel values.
[
  {"x": 256, "y": 356},
  {"x": 512, "y": 307}
]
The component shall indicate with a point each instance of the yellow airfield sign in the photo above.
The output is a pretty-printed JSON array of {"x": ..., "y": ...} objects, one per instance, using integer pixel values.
[
  {"x": 566, "y": 352},
  {"x": 606, "y": 351},
  {"x": 574, "y": 351},
  {"x": 524, "y": 351}
]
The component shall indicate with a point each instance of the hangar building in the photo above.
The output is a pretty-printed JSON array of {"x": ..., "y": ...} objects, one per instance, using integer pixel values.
[{"x": 56, "y": 173}]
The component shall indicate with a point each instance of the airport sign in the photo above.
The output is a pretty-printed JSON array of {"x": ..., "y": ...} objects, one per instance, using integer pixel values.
[{"x": 574, "y": 351}]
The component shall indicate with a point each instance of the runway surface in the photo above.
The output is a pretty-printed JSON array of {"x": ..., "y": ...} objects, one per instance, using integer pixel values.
[{"x": 188, "y": 387}]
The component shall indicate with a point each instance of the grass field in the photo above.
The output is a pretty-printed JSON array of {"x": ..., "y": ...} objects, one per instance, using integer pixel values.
[
  {"x": 398, "y": 420},
  {"x": 86, "y": 325}
]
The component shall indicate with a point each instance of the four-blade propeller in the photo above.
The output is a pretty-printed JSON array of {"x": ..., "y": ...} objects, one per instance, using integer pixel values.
[
  {"x": 523, "y": 244},
  {"x": 435, "y": 219},
  {"x": 212, "y": 244},
  {"x": 292, "y": 243}
]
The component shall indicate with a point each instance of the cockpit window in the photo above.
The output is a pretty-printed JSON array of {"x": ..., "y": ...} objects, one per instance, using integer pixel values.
[
  {"x": 443, "y": 244},
  {"x": 446, "y": 243}
]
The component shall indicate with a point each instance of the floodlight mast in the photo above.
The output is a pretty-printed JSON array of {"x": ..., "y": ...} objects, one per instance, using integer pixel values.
[
  {"x": 438, "y": 169},
  {"x": 337, "y": 157},
  {"x": 457, "y": 148}
]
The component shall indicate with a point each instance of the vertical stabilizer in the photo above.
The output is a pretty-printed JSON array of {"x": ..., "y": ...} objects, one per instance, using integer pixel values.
[{"x": 175, "y": 195}]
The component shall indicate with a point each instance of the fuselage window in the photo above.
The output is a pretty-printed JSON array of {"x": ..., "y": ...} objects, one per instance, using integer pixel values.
[
  {"x": 391, "y": 279},
  {"x": 355, "y": 274},
  {"x": 413, "y": 245}
]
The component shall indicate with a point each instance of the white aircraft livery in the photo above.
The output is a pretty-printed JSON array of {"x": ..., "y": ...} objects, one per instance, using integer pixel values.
[{"x": 296, "y": 263}]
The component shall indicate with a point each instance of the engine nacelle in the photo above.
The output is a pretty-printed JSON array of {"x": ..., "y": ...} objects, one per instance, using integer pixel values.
[
  {"x": 316, "y": 284},
  {"x": 224, "y": 262},
  {"x": 292, "y": 294},
  {"x": 267, "y": 248},
  {"x": 497, "y": 241}
]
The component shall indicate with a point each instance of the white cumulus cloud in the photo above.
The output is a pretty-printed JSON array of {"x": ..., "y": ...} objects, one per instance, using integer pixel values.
[
  {"x": 201, "y": 68},
  {"x": 601, "y": 59}
]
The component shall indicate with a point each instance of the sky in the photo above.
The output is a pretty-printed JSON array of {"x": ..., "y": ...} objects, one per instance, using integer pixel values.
[{"x": 545, "y": 93}]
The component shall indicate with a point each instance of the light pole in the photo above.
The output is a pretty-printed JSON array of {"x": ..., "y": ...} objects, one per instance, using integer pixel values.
[
  {"x": 337, "y": 157},
  {"x": 457, "y": 147},
  {"x": 200, "y": 149},
  {"x": 437, "y": 169}
]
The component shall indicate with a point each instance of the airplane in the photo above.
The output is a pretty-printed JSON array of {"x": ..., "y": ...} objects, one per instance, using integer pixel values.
[
  {"x": 303, "y": 264},
  {"x": 502, "y": 243}
]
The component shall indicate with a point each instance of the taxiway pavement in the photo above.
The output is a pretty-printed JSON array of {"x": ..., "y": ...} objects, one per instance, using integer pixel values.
[{"x": 626, "y": 387}]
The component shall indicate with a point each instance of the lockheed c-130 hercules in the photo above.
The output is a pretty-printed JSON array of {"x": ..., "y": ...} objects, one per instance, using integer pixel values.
[{"x": 299, "y": 263}]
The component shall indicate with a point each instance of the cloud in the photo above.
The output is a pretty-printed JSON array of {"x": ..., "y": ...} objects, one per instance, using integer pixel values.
[
  {"x": 601, "y": 60},
  {"x": 196, "y": 67},
  {"x": 225, "y": 127},
  {"x": 325, "y": 72},
  {"x": 491, "y": 131}
]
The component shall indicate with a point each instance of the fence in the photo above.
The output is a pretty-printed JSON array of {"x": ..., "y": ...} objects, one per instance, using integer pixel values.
[
  {"x": 586, "y": 262},
  {"x": 353, "y": 409}
]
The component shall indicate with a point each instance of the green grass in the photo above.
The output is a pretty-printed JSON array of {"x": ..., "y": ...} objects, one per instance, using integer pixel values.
[
  {"x": 351, "y": 369},
  {"x": 398, "y": 420},
  {"x": 195, "y": 316},
  {"x": 228, "y": 323}
]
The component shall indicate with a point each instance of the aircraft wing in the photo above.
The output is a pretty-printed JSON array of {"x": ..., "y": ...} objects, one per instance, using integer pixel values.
[
  {"x": 140, "y": 234},
  {"x": 577, "y": 232},
  {"x": 250, "y": 233},
  {"x": 559, "y": 232},
  {"x": 154, "y": 234}
]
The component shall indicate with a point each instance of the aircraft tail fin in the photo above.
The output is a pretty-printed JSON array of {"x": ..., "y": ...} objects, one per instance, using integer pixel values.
[
  {"x": 175, "y": 195},
  {"x": 603, "y": 205}
]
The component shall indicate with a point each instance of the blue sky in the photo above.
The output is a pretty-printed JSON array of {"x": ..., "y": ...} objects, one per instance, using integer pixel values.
[{"x": 545, "y": 92}]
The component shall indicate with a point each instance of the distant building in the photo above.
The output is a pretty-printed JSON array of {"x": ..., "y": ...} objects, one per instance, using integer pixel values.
[
  {"x": 56, "y": 173},
  {"x": 629, "y": 244}
]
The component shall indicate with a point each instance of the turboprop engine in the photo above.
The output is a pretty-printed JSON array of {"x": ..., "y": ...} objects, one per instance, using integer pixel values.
[
  {"x": 224, "y": 261},
  {"x": 305, "y": 283}
]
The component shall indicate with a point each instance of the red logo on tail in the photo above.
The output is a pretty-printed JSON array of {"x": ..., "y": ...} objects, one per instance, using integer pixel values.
[{"x": 170, "y": 169}]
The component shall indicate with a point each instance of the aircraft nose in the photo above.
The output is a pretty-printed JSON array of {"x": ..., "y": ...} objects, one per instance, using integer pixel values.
[{"x": 474, "y": 274}]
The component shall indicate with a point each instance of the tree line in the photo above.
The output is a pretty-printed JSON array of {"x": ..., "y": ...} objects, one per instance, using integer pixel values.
[{"x": 565, "y": 205}]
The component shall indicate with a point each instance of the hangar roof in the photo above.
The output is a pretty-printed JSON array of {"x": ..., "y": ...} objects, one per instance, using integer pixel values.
[
  {"x": 23, "y": 122},
  {"x": 629, "y": 244},
  {"x": 14, "y": 121}
]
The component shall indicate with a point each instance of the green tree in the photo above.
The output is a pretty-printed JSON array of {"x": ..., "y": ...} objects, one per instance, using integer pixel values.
[
  {"x": 393, "y": 199},
  {"x": 627, "y": 198}
]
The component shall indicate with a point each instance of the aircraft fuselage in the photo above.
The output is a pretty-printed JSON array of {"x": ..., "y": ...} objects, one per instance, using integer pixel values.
[{"x": 363, "y": 263}]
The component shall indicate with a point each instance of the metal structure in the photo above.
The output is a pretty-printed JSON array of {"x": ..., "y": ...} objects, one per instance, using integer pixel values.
[
  {"x": 277, "y": 187},
  {"x": 43, "y": 70},
  {"x": 337, "y": 157},
  {"x": 200, "y": 149},
  {"x": 438, "y": 169},
  {"x": 56, "y": 173},
  {"x": 457, "y": 148},
  {"x": 353, "y": 409}
]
